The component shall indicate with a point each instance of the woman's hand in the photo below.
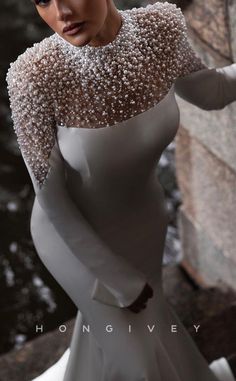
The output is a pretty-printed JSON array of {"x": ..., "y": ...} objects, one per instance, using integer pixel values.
[{"x": 140, "y": 302}]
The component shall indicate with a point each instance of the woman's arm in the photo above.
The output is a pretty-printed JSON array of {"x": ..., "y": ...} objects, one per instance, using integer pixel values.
[
  {"x": 209, "y": 89},
  {"x": 33, "y": 117}
]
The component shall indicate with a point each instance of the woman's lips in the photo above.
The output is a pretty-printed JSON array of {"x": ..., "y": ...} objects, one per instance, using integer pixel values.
[{"x": 73, "y": 29}]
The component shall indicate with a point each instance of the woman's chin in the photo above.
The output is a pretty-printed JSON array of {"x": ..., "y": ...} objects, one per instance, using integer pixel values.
[{"x": 76, "y": 40}]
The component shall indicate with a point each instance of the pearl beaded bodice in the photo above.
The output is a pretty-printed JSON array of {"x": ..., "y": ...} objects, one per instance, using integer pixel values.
[{"x": 57, "y": 84}]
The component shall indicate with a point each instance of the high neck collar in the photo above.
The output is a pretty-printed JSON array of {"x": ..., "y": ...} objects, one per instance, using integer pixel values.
[{"x": 115, "y": 42}]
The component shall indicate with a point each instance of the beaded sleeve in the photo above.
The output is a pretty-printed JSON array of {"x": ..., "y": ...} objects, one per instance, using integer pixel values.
[{"x": 32, "y": 112}]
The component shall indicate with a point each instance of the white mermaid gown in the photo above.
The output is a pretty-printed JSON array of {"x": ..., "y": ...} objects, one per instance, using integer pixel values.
[{"x": 92, "y": 123}]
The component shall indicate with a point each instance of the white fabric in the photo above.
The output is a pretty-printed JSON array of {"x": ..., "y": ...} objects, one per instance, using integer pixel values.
[
  {"x": 222, "y": 369},
  {"x": 55, "y": 372}
]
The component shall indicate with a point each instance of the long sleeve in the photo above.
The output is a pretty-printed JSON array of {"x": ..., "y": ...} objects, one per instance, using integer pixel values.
[
  {"x": 207, "y": 88},
  {"x": 117, "y": 282}
]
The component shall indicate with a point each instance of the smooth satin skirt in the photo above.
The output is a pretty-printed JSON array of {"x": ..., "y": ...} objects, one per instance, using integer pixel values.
[
  {"x": 114, "y": 344},
  {"x": 134, "y": 347}
]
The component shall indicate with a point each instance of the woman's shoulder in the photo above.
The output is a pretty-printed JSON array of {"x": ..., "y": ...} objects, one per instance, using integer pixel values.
[
  {"x": 161, "y": 17},
  {"x": 159, "y": 8},
  {"x": 35, "y": 63}
]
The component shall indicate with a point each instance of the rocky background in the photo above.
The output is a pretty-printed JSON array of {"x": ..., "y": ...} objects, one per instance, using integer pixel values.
[{"x": 206, "y": 155}]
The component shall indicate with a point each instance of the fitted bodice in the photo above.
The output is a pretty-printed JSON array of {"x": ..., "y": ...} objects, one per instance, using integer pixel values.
[
  {"x": 141, "y": 138},
  {"x": 118, "y": 160},
  {"x": 111, "y": 176}
]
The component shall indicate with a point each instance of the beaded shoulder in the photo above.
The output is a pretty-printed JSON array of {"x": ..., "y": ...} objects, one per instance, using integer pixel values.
[
  {"x": 28, "y": 80},
  {"x": 55, "y": 83},
  {"x": 167, "y": 29},
  {"x": 31, "y": 62},
  {"x": 172, "y": 21}
]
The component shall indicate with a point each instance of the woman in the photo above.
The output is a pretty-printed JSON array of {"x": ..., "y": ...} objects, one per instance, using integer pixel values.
[{"x": 93, "y": 108}]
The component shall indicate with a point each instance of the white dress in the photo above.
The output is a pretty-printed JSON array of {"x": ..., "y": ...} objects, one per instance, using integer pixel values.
[{"x": 92, "y": 123}]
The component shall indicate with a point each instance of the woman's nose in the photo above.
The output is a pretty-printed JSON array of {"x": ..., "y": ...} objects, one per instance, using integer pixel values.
[{"x": 63, "y": 11}]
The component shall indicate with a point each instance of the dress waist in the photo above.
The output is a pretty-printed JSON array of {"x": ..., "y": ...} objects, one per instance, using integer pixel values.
[{"x": 133, "y": 224}]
